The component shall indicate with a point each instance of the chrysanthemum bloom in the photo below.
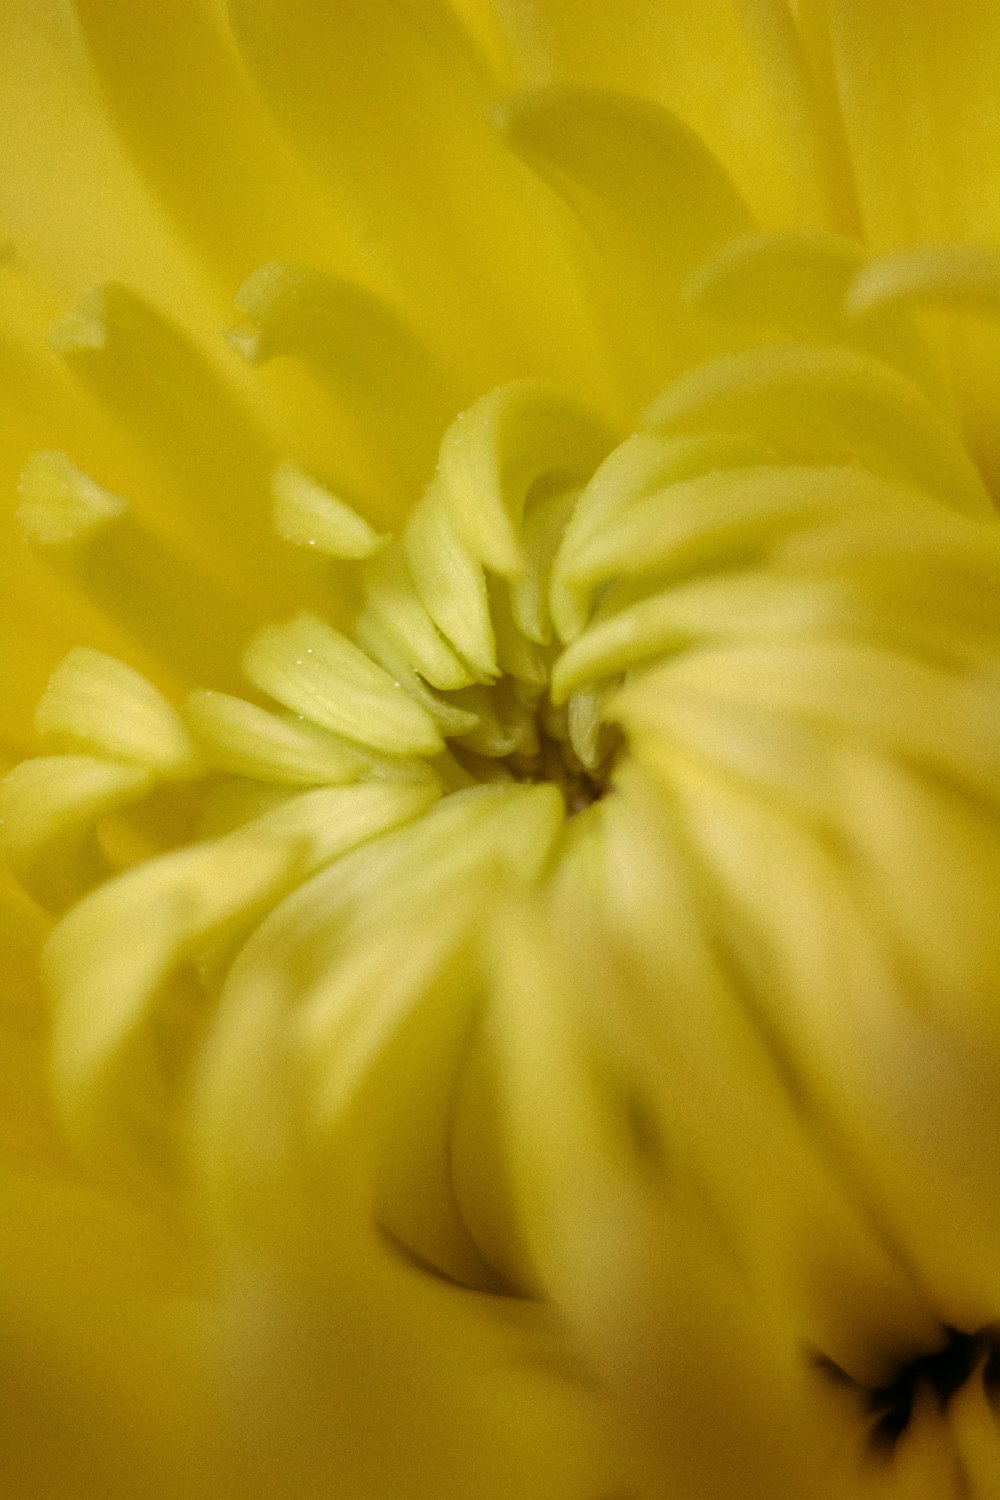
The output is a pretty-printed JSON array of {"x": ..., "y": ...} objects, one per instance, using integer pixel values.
[{"x": 501, "y": 989}]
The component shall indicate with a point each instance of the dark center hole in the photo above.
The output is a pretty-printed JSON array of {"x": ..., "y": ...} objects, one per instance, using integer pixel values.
[
  {"x": 556, "y": 762},
  {"x": 943, "y": 1373}
]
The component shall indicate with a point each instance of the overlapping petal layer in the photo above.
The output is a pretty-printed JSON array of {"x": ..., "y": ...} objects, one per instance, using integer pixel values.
[{"x": 522, "y": 998}]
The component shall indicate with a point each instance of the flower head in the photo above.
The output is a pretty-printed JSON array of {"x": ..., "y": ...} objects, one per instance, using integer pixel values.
[{"x": 519, "y": 817}]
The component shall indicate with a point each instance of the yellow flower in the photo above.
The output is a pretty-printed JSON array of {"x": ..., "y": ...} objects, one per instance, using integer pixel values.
[{"x": 499, "y": 969}]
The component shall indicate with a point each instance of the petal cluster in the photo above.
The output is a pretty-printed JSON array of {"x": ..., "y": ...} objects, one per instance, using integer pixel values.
[{"x": 518, "y": 830}]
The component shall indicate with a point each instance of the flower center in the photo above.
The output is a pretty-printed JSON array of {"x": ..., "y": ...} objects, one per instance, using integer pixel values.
[
  {"x": 660, "y": 679},
  {"x": 555, "y": 761},
  {"x": 944, "y": 1373}
]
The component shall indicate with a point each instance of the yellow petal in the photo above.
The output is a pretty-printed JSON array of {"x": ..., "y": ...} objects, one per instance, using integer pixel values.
[
  {"x": 158, "y": 385},
  {"x": 917, "y": 86},
  {"x": 654, "y": 200},
  {"x": 805, "y": 286},
  {"x": 395, "y": 397},
  {"x": 393, "y": 108},
  {"x": 67, "y": 165},
  {"x": 176, "y": 93},
  {"x": 106, "y": 1357},
  {"x": 735, "y": 73},
  {"x": 314, "y": 670},
  {"x": 817, "y": 402}
]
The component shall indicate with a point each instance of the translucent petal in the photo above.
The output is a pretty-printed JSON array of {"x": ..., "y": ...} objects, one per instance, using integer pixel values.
[
  {"x": 908, "y": 1104},
  {"x": 513, "y": 826},
  {"x": 517, "y": 656},
  {"x": 392, "y": 604},
  {"x": 718, "y": 519},
  {"x": 44, "y": 410},
  {"x": 366, "y": 925},
  {"x": 945, "y": 918},
  {"x": 804, "y": 285},
  {"x": 450, "y": 582},
  {"x": 738, "y": 606},
  {"x": 493, "y": 455},
  {"x": 963, "y": 277},
  {"x": 193, "y": 427},
  {"x": 240, "y": 737},
  {"x": 815, "y": 403},
  {"x": 314, "y": 670},
  {"x": 157, "y": 595},
  {"x": 618, "y": 1251},
  {"x": 640, "y": 465},
  {"x": 908, "y": 708},
  {"x": 383, "y": 644},
  {"x": 95, "y": 703},
  {"x": 543, "y": 530},
  {"x": 639, "y": 160},
  {"x": 50, "y": 805},
  {"x": 106, "y": 1053},
  {"x": 307, "y": 514},
  {"x": 916, "y": 88},
  {"x": 59, "y": 504}
]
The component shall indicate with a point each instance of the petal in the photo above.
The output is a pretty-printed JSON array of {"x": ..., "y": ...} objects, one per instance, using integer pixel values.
[
  {"x": 71, "y": 202},
  {"x": 314, "y": 670},
  {"x": 104, "y": 1353},
  {"x": 653, "y": 200},
  {"x": 40, "y": 409},
  {"x": 156, "y": 384},
  {"x": 378, "y": 372},
  {"x": 905, "y": 1100},
  {"x": 28, "y": 1135},
  {"x": 155, "y": 593},
  {"x": 918, "y": 86},
  {"x": 963, "y": 281},
  {"x": 804, "y": 286},
  {"x": 120, "y": 1035},
  {"x": 735, "y": 73},
  {"x": 822, "y": 403},
  {"x": 97, "y": 704},
  {"x": 964, "y": 277},
  {"x": 493, "y": 455},
  {"x": 391, "y": 103},
  {"x": 384, "y": 1381},
  {"x": 177, "y": 96},
  {"x": 425, "y": 1387},
  {"x": 629, "y": 1248}
]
